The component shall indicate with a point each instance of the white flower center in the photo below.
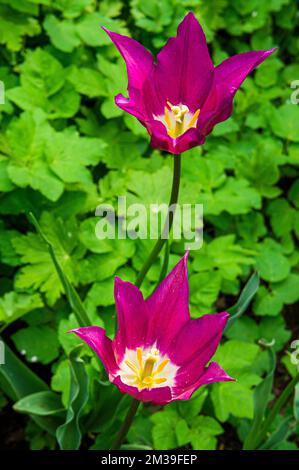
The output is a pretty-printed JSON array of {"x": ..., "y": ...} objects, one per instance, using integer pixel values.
[{"x": 147, "y": 368}]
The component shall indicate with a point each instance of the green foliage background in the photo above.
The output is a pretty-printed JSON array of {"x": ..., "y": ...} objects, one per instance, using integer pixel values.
[{"x": 65, "y": 148}]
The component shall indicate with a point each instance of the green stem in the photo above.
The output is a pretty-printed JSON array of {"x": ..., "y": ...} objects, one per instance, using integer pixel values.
[
  {"x": 148, "y": 263},
  {"x": 126, "y": 425},
  {"x": 168, "y": 223},
  {"x": 280, "y": 402}
]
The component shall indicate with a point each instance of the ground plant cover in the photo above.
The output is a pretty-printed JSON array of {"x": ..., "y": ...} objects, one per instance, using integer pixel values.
[{"x": 66, "y": 148}]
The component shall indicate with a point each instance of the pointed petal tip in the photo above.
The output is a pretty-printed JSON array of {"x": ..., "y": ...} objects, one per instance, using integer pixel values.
[
  {"x": 119, "y": 283},
  {"x": 221, "y": 375},
  {"x": 75, "y": 330},
  {"x": 190, "y": 17}
]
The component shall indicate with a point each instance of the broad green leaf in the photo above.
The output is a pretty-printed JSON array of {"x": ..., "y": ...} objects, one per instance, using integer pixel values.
[
  {"x": 41, "y": 404},
  {"x": 88, "y": 82},
  {"x": 14, "y": 305},
  {"x": 203, "y": 433},
  {"x": 69, "y": 434},
  {"x": 17, "y": 379},
  {"x": 14, "y": 26},
  {"x": 90, "y": 32},
  {"x": 163, "y": 432},
  {"x": 284, "y": 122},
  {"x": 37, "y": 343},
  {"x": 63, "y": 34},
  {"x": 271, "y": 264},
  {"x": 71, "y": 294}
]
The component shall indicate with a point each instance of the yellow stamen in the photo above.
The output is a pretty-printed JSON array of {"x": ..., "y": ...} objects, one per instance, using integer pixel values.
[
  {"x": 147, "y": 368},
  {"x": 161, "y": 367},
  {"x": 160, "y": 381},
  {"x": 167, "y": 118},
  {"x": 194, "y": 118},
  {"x": 147, "y": 380},
  {"x": 132, "y": 366},
  {"x": 139, "y": 357},
  {"x": 178, "y": 119}
]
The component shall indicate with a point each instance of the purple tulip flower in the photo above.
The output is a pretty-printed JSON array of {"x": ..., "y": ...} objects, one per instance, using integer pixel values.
[
  {"x": 159, "y": 354},
  {"x": 182, "y": 96}
]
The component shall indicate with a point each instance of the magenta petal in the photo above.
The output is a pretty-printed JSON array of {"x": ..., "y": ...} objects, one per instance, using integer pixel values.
[
  {"x": 198, "y": 340},
  {"x": 132, "y": 318},
  {"x": 228, "y": 77},
  {"x": 95, "y": 337},
  {"x": 213, "y": 373},
  {"x": 161, "y": 140},
  {"x": 129, "y": 106},
  {"x": 139, "y": 64},
  {"x": 168, "y": 306},
  {"x": 157, "y": 396},
  {"x": 235, "y": 69},
  {"x": 184, "y": 70}
]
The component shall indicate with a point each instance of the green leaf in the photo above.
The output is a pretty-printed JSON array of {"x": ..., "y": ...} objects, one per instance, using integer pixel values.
[
  {"x": 90, "y": 32},
  {"x": 204, "y": 289},
  {"x": 43, "y": 71},
  {"x": 284, "y": 122},
  {"x": 41, "y": 404},
  {"x": 271, "y": 264},
  {"x": 71, "y": 294},
  {"x": 8, "y": 254},
  {"x": 28, "y": 167},
  {"x": 203, "y": 432},
  {"x": 244, "y": 300},
  {"x": 236, "y": 196},
  {"x": 270, "y": 301},
  {"x": 37, "y": 343},
  {"x": 296, "y": 403},
  {"x": 87, "y": 81},
  {"x": 281, "y": 216},
  {"x": 63, "y": 34},
  {"x": 279, "y": 435},
  {"x": 75, "y": 154},
  {"x": 14, "y": 27},
  {"x": 183, "y": 432},
  {"x": 14, "y": 305},
  {"x": 69, "y": 434},
  {"x": 236, "y": 358},
  {"x": 262, "y": 395},
  {"x": 225, "y": 256},
  {"x": 163, "y": 431},
  {"x": 101, "y": 293},
  {"x": 6, "y": 184},
  {"x": 17, "y": 379}
]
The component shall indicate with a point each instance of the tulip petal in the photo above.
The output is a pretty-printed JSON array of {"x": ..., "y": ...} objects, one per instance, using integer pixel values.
[
  {"x": 198, "y": 340},
  {"x": 96, "y": 338},
  {"x": 184, "y": 70},
  {"x": 160, "y": 139},
  {"x": 213, "y": 373},
  {"x": 168, "y": 306},
  {"x": 157, "y": 396},
  {"x": 139, "y": 64},
  {"x": 132, "y": 318},
  {"x": 228, "y": 77}
]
